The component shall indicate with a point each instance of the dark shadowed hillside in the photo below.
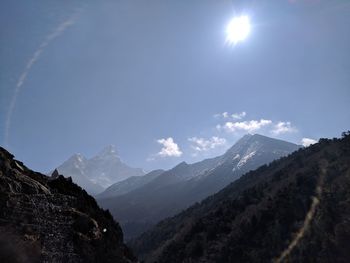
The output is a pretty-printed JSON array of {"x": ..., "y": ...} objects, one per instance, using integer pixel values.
[
  {"x": 50, "y": 219},
  {"x": 185, "y": 184},
  {"x": 296, "y": 209}
]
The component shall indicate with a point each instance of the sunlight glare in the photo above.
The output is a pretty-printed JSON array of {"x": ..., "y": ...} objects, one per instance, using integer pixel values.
[{"x": 238, "y": 29}]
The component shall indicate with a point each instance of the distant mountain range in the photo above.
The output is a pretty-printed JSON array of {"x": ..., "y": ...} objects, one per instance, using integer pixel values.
[
  {"x": 129, "y": 184},
  {"x": 158, "y": 195},
  {"x": 295, "y": 209},
  {"x": 99, "y": 172}
]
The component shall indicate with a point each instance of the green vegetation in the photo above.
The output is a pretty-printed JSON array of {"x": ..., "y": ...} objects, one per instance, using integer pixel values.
[{"x": 296, "y": 209}]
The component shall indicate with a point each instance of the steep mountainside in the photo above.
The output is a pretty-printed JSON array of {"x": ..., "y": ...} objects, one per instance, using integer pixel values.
[
  {"x": 99, "y": 172},
  {"x": 296, "y": 209},
  {"x": 74, "y": 167},
  {"x": 185, "y": 184},
  {"x": 51, "y": 219},
  {"x": 130, "y": 184}
]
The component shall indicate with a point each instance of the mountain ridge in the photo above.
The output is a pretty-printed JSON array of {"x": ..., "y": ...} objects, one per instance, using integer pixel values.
[
  {"x": 266, "y": 215},
  {"x": 97, "y": 173},
  {"x": 185, "y": 184},
  {"x": 129, "y": 184}
]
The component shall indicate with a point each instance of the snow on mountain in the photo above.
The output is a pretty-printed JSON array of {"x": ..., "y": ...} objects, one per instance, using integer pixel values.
[
  {"x": 245, "y": 159},
  {"x": 99, "y": 172},
  {"x": 185, "y": 184}
]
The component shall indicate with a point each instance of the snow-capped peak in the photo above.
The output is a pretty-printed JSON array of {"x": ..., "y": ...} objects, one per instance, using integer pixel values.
[
  {"x": 76, "y": 159},
  {"x": 102, "y": 170},
  {"x": 109, "y": 150}
]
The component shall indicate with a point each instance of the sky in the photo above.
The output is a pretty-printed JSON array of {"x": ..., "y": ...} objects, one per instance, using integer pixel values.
[{"x": 159, "y": 80}]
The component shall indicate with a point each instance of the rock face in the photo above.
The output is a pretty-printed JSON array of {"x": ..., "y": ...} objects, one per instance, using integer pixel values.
[
  {"x": 296, "y": 209},
  {"x": 50, "y": 219}
]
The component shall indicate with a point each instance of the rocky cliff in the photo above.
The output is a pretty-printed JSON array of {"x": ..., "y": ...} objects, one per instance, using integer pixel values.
[{"x": 51, "y": 219}]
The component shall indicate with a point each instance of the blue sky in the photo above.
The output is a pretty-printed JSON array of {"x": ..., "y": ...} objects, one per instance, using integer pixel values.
[{"x": 157, "y": 79}]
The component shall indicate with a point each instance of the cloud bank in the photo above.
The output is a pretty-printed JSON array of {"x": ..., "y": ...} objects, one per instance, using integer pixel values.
[
  {"x": 203, "y": 145},
  {"x": 239, "y": 116},
  {"x": 226, "y": 115},
  {"x": 247, "y": 126},
  {"x": 234, "y": 124},
  {"x": 283, "y": 127}
]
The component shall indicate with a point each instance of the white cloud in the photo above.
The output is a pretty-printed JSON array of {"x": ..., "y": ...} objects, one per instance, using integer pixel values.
[
  {"x": 170, "y": 148},
  {"x": 239, "y": 116},
  {"x": 283, "y": 127},
  {"x": 201, "y": 144},
  {"x": 226, "y": 115},
  {"x": 248, "y": 126},
  {"x": 307, "y": 142},
  {"x": 151, "y": 158},
  {"x": 235, "y": 124}
]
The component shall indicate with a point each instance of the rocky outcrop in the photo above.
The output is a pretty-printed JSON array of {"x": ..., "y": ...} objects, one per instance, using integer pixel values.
[{"x": 50, "y": 219}]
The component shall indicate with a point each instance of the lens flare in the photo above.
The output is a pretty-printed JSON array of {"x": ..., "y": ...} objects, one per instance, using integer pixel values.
[{"x": 36, "y": 56}]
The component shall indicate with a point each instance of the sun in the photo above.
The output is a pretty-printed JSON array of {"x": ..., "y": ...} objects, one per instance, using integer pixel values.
[{"x": 238, "y": 29}]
